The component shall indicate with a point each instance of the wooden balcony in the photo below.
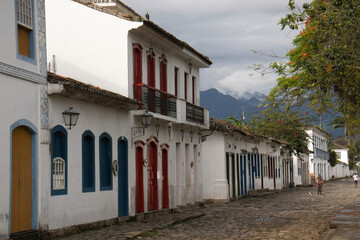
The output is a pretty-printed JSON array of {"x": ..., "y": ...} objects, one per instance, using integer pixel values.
[
  {"x": 154, "y": 100},
  {"x": 194, "y": 113}
]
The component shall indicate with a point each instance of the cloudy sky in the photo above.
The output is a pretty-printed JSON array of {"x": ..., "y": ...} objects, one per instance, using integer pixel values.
[{"x": 226, "y": 31}]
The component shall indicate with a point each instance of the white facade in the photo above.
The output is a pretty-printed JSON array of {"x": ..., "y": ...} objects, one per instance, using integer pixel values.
[
  {"x": 103, "y": 56},
  {"x": 318, "y": 160},
  {"x": 232, "y": 169},
  {"x": 23, "y": 106}
]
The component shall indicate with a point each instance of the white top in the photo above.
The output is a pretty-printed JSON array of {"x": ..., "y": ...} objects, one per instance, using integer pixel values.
[{"x": 356, "y": 177}]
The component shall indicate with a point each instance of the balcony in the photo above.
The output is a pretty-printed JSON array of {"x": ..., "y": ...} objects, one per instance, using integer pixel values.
[
  {"x": 194, "y": 113},
  {"x": 154, "y": 100},
  {"x": 318, "y": 153}
]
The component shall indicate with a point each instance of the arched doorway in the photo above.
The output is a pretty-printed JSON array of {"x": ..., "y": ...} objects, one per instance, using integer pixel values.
[
  {"x": 123, "y": 202},
  {"x": 23, "y": 210},
  {"x": 152, "y": 175},
  {"x": 165, "y": 178},
  {"x": 139, "y": 181}
]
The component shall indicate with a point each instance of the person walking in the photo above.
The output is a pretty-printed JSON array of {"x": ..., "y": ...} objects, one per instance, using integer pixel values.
[
  {"x": 356, "y": 179},
  {"x": 319, "y": 181}
]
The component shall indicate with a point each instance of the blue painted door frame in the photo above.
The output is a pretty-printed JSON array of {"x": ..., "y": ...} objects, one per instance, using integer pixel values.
[
  {"x": 123, "y": 198},
  {"x": 241, "y": 175},
  {"x": 252, "y": 172}
]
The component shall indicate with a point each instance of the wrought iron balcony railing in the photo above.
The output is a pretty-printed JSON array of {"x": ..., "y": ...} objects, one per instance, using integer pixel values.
[
  {"x": 154, "y": 100},
  {"x": 318, "y": 153},
  {"x": 194, "y": 113}
]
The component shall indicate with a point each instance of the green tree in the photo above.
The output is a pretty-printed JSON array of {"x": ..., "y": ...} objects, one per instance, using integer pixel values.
[
  {"x": 325, "y": 60},
  {"x": 284, "y": 124}
]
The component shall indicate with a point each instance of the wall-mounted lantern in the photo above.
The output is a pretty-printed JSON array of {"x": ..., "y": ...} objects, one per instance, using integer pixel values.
[
  {"x": 140, "y": 131},
  {"x": 157, "y": 128},
  {"x": 182, "y": 134},
  {"x": 255, "y": 150},
  {"x": 273, "y": 147},
  {"x": 70, "y": 117},
  {"x": 169, "y": 130},
  {"x": 190, "y": 67}
]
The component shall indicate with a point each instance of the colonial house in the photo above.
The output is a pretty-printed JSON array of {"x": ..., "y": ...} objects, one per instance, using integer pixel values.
[
  {"x": 301, "y": 169},
  {"x": 341, "y": 169},
  {"x": 136, "y": 147},
  {"x": 23, "y": 113},
  {"x": 319, "y": 156},
  {"x": 237, "y": 162}
]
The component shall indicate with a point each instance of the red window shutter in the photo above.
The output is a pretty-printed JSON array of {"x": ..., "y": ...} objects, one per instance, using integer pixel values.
[
  {"x": 163, "y": 75},
  {"x": 151, "y": 69},
  {"x": 185, "y": 85},
  {"x": 137, "y": 52},
  {"x": 193, "y": 90},
  {"x": 176, "y": 81}
]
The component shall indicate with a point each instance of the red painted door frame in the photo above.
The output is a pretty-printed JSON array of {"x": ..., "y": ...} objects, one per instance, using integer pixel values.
[
  {"x": 139, "y": 187},
  {"x": 165, "y": 179},
  {"x": 152, "y": 177}
]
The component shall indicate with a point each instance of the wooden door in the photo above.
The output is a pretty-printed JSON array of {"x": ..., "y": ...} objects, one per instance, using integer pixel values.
[
  {"x": 21, "y": 180},
  {"x": 165, "y": 179},
  {"x": 123, "y": 198},
  {"x": 152, "y": 178},
  {"x": 139, "y": 188},
  {"x": 233, "y": 175}
]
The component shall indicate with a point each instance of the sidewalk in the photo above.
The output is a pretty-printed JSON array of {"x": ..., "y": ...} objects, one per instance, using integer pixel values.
[
  {"x": 140, "y": 228},
  {"x": 346, "y": 225}
]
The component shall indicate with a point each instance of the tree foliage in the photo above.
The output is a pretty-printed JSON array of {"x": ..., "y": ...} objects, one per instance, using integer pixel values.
[
  {"x": 284, "y": 124},
  {"x": 325, "y": 61}
]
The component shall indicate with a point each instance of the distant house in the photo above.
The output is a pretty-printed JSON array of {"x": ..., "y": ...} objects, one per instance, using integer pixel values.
[
  {"x": 319, "y": 156},
  {"x": 341, "y": 169},
  {"x": 236, "y": 162}
]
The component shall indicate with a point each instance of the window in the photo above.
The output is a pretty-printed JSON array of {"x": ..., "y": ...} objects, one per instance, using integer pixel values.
[
  {"x": 25, "y": 35},
  {"x": 265, "y": 166},
  {"x": 137, "y": 58},
  {"x": 151, "y": 68},
  {"x": 176, "y": 77},
  {"x": 185, "y": 84},
  {"x": 105, "y": 145},
  {"x": 59, "y": 160},
  {"x": 163, "y": 74},
  {"x": 88, "y": 162},
  {"x": 193, "y": 89},
  {"x": 58, "y": 173}
]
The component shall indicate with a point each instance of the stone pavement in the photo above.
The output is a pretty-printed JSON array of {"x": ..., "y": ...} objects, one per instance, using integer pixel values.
[
  {"x": 297, "y": 213},
  {"x": 346, "y": 225}
]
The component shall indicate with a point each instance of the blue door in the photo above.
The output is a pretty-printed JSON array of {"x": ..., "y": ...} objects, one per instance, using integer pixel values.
[
  {"x": 252, "y": 172},
  {"x": 241, "y": 175},
  {"x": 244, "y": 173},
  {"x": 123, "y": 199}
]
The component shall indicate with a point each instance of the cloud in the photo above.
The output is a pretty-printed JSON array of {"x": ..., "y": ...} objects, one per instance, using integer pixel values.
[{"x": 226, "y": 32}]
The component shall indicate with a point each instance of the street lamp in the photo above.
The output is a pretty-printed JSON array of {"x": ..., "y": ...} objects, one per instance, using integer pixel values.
[
  {"x": 70, "y": 117},
  {"x": 140, "y": 131}
]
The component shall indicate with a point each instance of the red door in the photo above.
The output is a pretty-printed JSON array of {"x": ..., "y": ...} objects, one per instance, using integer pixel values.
[
  {"x": 152, "y": 178},
  {"x": 139, "y": 188},
  {"x": 165, "y": 181}
]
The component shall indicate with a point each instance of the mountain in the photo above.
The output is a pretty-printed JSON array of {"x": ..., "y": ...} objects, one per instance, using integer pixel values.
[{"x": 222, "y": 106}]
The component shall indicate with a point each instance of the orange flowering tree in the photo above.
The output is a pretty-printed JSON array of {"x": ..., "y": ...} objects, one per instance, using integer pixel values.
[
  {"x": 284, "y": 124},
  {"x": 325, "y": 61}
]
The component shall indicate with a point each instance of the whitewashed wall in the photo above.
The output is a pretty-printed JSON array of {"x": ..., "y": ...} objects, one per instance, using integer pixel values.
[
  {"x": 77, "y": 207},
  {"x": 89, "y": 45},
  {"x": 20, "y": 100},
  {"x": 344, "y": 155},
  {"x": 340, "y": 171}
]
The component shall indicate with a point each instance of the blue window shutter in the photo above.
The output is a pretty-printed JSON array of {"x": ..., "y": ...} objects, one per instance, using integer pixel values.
[
  {"x": 59, "y": 149},
  {"x": 105, "y": 145},
  {"x": 88, "y": 162}
]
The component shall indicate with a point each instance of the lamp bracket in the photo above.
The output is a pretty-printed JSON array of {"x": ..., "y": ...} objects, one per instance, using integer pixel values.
[{"x": 136, "y": 132}]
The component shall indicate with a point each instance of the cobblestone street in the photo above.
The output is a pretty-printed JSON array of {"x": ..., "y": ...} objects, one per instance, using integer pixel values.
[{"x": 298, "y": 213}]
